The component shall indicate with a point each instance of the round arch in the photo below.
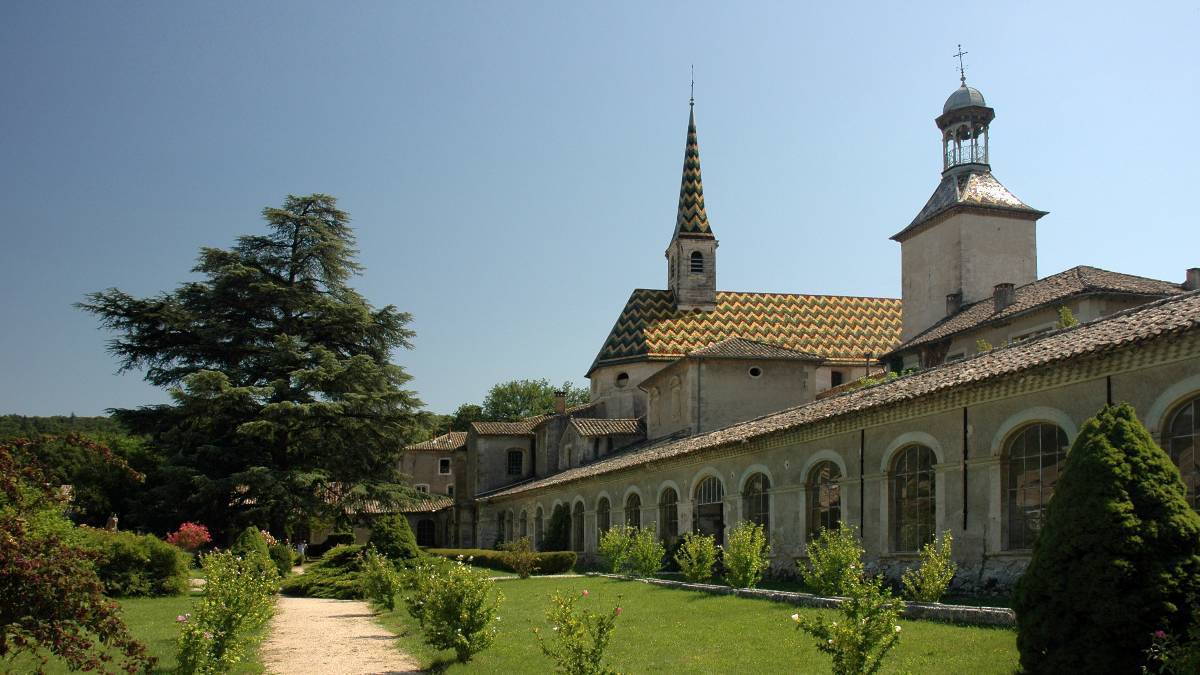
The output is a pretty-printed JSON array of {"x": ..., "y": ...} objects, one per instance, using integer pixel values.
[
  {"x": 662, "y": 487},
  {"x": 911, "y": 438},
  {"x": 706, "y": 472},
  {"x": 823, "y": 456},
  {"x": 750, "y": 471},
  {"x": 603, "y": 495},
  {"x": 1029, "y": 416},
  {"x": 1168, "y": 401},
  {"x": 578, "y": 500}
]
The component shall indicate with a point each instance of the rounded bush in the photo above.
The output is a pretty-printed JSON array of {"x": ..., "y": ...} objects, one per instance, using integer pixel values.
[
  {"x": 391, "y": 536},
  {"x": 131, "y": 564}
]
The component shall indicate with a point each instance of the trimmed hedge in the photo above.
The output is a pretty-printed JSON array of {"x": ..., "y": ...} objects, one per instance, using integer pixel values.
[
  {"x": 331, "y": 542},
  {"x": 136, "y": 564},
  {"x": 281, "y": 555},
  {"x": 548, "y": 562}
]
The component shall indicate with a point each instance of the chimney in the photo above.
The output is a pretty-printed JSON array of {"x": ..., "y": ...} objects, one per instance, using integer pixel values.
[
  {"x": 1193, "y": 279},
  {"x": 1003, "y": 296},
  {"x": 560, "y": 402},
  {"x": 953, "y": 303}
]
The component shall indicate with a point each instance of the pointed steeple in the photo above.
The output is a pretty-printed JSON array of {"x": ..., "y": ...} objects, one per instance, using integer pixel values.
[{"x": 692, "y": 219}]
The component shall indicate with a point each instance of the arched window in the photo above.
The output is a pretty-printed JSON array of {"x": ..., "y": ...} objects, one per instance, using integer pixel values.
[
  {"x": 577, "y": 527},
  {"x": 1181, "y": 439},
  {"x": 697, "y": 261},
  {"x": 912, "y": 508},
  {"x": 509, "y": 525},
  {"x": 668, "y": 515},
  {"x": 500, "y": 528},
  {"x": 516, "y": 462},
  {"x": 708, "y": 515},
  {"x": 824, "y": 498},
  {"x": 756, "y": 503},
  {"x": 1035, "y": 455},
  {"x": 524, "y": 523},
  {"x": 633, "y": 510},
  {"x": 426, "y": 532},
  {"x": 537, "y": 529},
  {"x": 603, "y": 517}
]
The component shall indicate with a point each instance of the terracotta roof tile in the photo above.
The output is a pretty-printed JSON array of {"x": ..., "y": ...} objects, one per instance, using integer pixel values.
[
  {"x": 448, "y": 441},
  {"x": 526, "y": 426},
  {"x": 742, "y": 348},
  {"x": 590, "y": 426},
  {"x": 829, "y": 326},
  {"x": 1171, "y": 316}
]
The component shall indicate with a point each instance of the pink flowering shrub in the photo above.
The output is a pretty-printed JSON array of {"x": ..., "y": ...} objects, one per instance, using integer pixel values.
[
  {"x": 190, "y": 536},
  {"x": 579, "y": 636}
]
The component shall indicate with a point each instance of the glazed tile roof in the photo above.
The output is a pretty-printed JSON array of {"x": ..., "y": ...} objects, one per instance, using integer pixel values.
[
  {"x": 1037, "y": 294},
  {"x": 1172, "y": 316},
  {"x": 978, "y": 189},
  {"x": 828, "y": 326},
  {"x": 692, "y": 219},
  {"x": 590, "y": 426},
  {"x": 448, "y": 441},
  {"x": 525, "y": 426},
  {"x": 742, "y": 348}
]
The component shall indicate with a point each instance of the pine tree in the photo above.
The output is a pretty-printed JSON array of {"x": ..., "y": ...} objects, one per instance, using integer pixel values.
[
  {"x": 1117, "y": 558},
  {"x": 285, "y": 404}
]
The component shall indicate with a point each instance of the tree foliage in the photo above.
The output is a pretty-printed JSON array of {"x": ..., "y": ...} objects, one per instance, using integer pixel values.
[
  {"x": 1117, "y": 558},
  {"x": 518, "y": 399},
  {"x": 392, "y": 536},
  {"x": 284, "y": 401}
]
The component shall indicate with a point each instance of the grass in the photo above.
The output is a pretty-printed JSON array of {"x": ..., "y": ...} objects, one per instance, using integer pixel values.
[
  {"x": 152, "y": 621},
  {"x": 663, "y": 629}
]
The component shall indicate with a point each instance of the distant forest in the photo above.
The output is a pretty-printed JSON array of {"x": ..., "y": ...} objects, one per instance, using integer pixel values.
[{"x": 21, "y": 426}]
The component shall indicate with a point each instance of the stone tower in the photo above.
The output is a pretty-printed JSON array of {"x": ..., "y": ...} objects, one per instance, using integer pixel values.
[
  {"x": 692, "y": 253},
  {"x": 973, "y": 234}
]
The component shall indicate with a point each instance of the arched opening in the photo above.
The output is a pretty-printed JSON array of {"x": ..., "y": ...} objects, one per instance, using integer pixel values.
[
  {"x": 603, "y": 517},
  {"x": 633, "y": 510},
  {"x": 426, "y": 533},
  {"x": 913, "y": 505},
  {"x": 696, "y": 262},
  {"x": 668, "y": 516},
  {"x": 577, "y": 527},
  {"x": 708, "y": 513},
  {"x": 524, "y": 524},
  {"x": 537, "y": 529},
  {"x": 1181, "y": 440},
  {"x": 510, "y": 522},
  {"x": 1033, "y": 460},
  {"x": 622, "y": 380},
  {"x": 756, "y": 502},
  {"x": 824, "y": 498}
]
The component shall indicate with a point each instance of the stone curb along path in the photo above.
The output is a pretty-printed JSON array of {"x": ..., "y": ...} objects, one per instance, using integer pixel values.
[
  {"x": 935, "y": 611},
  {"x": 339, "y": 637}
]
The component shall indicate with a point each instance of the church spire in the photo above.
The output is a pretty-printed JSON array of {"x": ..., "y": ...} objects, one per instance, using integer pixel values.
[{"x": 692, "y": 219}]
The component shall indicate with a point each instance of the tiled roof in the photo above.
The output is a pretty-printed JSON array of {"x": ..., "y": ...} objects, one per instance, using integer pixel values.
[
  {"x": 428, "y": 504},
  {"x": 1053, "y": 289},
  {"x": 978, "y": 189},
  {"x": 829, "y": 326},
  {"x": 522, "y": 427},
  {"x": 1171, "y": 316},
  {"x": 742, "y": 348},
  {"x": 692, "y": 219},
  {"x": 590, "y": 426},
  {"x": 448, "y": 441}
]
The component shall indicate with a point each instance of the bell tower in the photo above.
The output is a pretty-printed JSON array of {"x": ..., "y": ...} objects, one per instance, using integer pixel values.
[{"x": 692, "y": 253}]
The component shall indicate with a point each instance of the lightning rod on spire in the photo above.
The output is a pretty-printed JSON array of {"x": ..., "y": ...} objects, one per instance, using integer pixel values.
[{"x": 692, "y": 96}]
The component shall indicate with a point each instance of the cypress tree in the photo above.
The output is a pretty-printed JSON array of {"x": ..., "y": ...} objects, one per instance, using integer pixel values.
[
  {"x": 1118, "y": 556},
  {"x": 392, "y": 537}
]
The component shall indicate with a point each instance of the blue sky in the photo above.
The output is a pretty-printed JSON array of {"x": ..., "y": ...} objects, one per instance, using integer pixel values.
[{"x": 512, "y": 169}]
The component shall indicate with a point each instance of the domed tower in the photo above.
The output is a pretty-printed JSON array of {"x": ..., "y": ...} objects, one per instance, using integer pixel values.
[{"x": 972, "y": 234}]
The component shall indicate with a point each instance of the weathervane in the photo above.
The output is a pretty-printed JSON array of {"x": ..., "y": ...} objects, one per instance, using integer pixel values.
[
  {"x": 962, "y": 70},
  {"x": 692, "y": 97}
]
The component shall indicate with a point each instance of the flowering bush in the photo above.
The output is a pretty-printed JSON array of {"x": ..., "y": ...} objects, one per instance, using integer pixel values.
[
  {"x": 866, "y": 631},
  {"x": 269, "y": 538},
  {"x": 190, "y": 536},
  {"x": 928, "y": 583},
  {"x": 380, "y": 579},
  {"x": 614, "y": 548},
  {"x": 747, "y": 555},
  {"x": 520, "y": 557},
  {"x": 1170, "y": 656},
  {"x": 696, "y": 557},
  {"x": 238, "y": 600},
  {"x": 579, "y": 636},
  {"x": 834, "y": 561},
  {"x": 456, "y": 606}
]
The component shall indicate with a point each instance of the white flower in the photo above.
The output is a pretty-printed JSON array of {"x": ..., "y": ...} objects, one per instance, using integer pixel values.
[
  {"x": 831, "y": 641},
  {"x": 795, "y": 617},
  {"x": 897, "y": 629}
]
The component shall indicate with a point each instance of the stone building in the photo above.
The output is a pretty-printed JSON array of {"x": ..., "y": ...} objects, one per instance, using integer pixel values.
[{"x": 710, "y": 408}]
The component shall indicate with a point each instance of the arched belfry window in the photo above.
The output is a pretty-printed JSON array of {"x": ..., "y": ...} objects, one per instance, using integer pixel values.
[
  {"x": 1181, "y": 439},
  {"x": 697, "y": 261},
  {"x": 756, "y": 504},
  {"x": 824, "y": 498},
  {"x": 913, "y": 491},
  {"x": 1034, "y": 457},
  {"x": 633, "y": 510}
]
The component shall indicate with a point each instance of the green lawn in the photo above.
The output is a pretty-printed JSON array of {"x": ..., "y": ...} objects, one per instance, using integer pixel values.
[
  {"x": 152, "y": 621},
  {"x": 678, "y": 631}
]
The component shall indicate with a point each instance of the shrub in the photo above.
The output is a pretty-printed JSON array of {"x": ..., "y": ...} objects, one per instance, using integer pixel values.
[
  {"x": 1169, "y": 655},
  {"x": 697, "y": 556},
  {"x": 336, "y": 575},
  {"x": 190, "y": 537},
  {"x": 747, "y": 555},
  {"x": 456, "y": 606},
  {"x": 614, "y": 548},
  {"x": 520, "y": 557},
  {"x": 419, "y": 582},
  {"x": 547, "y": 562},
  {"x": 252, "y": 545},
  {"x": 867, "y": 629},
  {"x": 558, "y": 530},
  {"x": 1117, "y": 558},
  {"x": 237, "y": 602},
  {"x": 136, "y": 564},
  {"x": 380, "y": 580},
  {"x": 281, "y": 555},
  {"x": 580, "y": 636},
  {"x": 646, "y": 553},
  {"x": 331, "y": 542},
  {"x": 834, "y": 561},
  {"x": 928, "y": 583},
  {"x": 392, "y": 537}
]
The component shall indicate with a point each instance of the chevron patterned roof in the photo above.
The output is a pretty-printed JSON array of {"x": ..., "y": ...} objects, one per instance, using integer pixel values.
[
  {"x": 835, "y": 327},
  {"x": 692, "y": 220}
]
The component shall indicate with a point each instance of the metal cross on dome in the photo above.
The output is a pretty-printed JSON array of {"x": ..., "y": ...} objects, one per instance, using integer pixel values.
[{"x": 962, "y": 70}]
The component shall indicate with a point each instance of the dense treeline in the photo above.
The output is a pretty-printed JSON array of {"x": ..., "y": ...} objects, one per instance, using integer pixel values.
[{"x": 23, "y": 426}]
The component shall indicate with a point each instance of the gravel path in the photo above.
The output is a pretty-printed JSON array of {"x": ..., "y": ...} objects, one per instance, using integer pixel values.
[{"x": 340, "y": 637}]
